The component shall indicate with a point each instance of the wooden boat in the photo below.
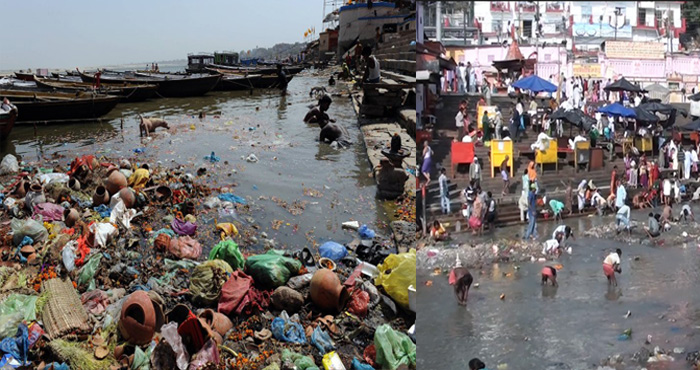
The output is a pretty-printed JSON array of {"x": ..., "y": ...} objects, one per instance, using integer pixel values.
[
  {"x": 181, "y": 86},
  {"x": 233, "y": 82},
  {"x": 7, "y": 122},
  {"x": 128, "y": 92},
  {"x": 215, "y": 68},
  {"x": 24, "y": 76},
  {"x": 268, "y": 81},
  {"x": 53, "y": 107}
]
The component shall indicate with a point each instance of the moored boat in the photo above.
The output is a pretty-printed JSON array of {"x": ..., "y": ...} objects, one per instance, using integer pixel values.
[
  {"x": 7, "y": 122},
  {"x": 169, "y": 86},
  {"x": 24, "y": 76},
  {"x": 53, "y": 107},
  {"x": 128, "y": 92},
  {"x": 233, "y": 82}
]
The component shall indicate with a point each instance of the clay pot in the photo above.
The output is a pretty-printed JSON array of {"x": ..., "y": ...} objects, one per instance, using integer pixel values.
[
  {"x": 74, "y": 184},
  {"x": 218, "y": 321},
  {"x": 326, "y": 291},
  {"x": 70, "y": 217},
  {"x": 35, "y": 195},
  {"x": 128, "y": 197},
  {"x": 21, "y": 189},
  {"x": 138, "y": 318},
  {"x": 101, "y": 196},
  {"x": 27, "y": 250},
  {"x": 188, "y": 209},
  {"x": 115, "y": 181},
  {"x": 163, "y": 193}
]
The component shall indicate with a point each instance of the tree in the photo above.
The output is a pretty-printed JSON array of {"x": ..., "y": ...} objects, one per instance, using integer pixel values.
[{"x": 691, "y": 13}]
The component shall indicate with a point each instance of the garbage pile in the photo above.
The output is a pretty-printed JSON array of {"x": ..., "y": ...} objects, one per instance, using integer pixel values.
[
  {"x": 434, "y": 256},
  {"x": 114, "y": 264}
]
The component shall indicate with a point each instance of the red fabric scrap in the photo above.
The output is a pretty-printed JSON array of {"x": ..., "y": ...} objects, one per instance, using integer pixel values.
[
  {"x": 77, "y": 162},
  {"x": 83, "y": 250},
  {"x": 359, "y": 300},
  {"x": 240, "y": 296}
]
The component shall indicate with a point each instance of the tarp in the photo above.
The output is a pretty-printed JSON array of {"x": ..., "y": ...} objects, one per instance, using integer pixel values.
[
  {"x": 616, "y": 109},
  {"x": 536, "y": 84},
  {"x": 623, "y": 85}
]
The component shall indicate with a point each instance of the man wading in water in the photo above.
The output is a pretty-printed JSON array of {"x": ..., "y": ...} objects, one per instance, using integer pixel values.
[
  {"x": 462, "y": 280},
  {"x": 318, "y": 113},
  {"x": 281, "y": 79},
  {"x": 611, "y": 265}
]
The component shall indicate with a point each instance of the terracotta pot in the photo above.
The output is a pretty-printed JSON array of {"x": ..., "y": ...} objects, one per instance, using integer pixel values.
[
  {"x": 74, "y": 184},
  {"x": 326, "y": 291},
  {"x": 27, "y": 250},
  {"x": 115, "y": 181},
  {"x": 138, "y": 319},
  {"x": 35, "y": 195},
  {"x": 70, "y": 217},
  {"x": 188, "y": 209},
  {"x": 101, "y": 196},
  {"x": 163, "y": 193},
  {"x": 21, "y": 189},
  {"x": 128, "y": 197},
  {"x": 218, "y": 321},
  {"x": 210, "y": 332}
]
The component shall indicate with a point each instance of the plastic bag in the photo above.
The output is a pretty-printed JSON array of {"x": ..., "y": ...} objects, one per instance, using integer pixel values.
[
  {"x": 272, "y": 269},
  {"x": 185, "y": 247},
  {"x": 333, "y": 250},
  {"x": 208, "y": 353},
  {"x": 182, "y": 227},
  {"x": 227, "y": 228},
  {"x": 227, "y": 215},
  {"x": 300, "y": 361},
  {"x": 322, "y": 340},
  {"x": 49, "y": 211},
  {"x": 365, "y": 232},
  {"x": 207, "y": 280},
  {"x": 239, "y": 295},
  {"x": 17, "y": 346},
  {"x": 229, "y": 197},
  {"x": 24, "y": 305},
  {"x": 227, "y": 250},
  {"x": 397, "y": 273},
  {"x": 358, "y": 303},
  {"x": 9, "y": 164},
  {"x": 104, "y": 232},
  {"x": 31, "y": 228},
  {"x": 211, "y": 203},
  {"x": 122, "y": 215},
  {"x": 357, "y": 365},
  {"x": 87, "y": 273},
  {"x": 68, "y": 255},
  {"x": 332, "y": 361},
  {"x": 288, "y": 330},
  {"x": 169, "y": 333},
  {"x": 57, "y": 177},
  {"x": 393, "y": 348}
]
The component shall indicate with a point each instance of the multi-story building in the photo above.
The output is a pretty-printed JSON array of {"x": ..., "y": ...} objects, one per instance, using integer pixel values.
[{"x": 581, "y": 25}]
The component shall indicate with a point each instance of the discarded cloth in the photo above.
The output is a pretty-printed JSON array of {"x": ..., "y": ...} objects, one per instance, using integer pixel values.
[
  {"x": 184, "y": 247},
  {"x": 49, "y": 211},
  {"x": 228, "y": 251},
  {"x": 239, "y": 295},
  {"x": 182, "y": 227},
  {"x": 139, "y": 178},
  {"x": 103, "y": 210},
  {"x": 207, "y": 280}
]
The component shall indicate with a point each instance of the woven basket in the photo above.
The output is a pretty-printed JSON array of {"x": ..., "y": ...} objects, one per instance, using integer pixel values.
[{"x": 63, "y": 313}]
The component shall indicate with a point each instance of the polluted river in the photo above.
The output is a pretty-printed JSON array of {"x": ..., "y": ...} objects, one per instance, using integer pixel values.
[{"x": 513, "y": 322}]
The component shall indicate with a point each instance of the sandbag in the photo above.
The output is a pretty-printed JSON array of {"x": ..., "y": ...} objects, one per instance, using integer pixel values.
[
  {"x": 31, "y": 228},
  {"x": 396, "y": 274},
  {"x": 393, "y": 348},
  {"x": 207, "y": 280},
  {"x": 240, "y": 296},
  {"x": 9, "y": 164},
  {"x": 227, "y": 250},
  {"x": 184, "y": 247},
  {"x": 272, "y": 269}
]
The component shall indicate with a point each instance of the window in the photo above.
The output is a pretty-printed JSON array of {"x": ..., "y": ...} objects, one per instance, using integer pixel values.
[
  {"x": 641, "y": 16},
  {"x": 659, "y": 17},
  {"x": 670, "y": 18},
  {"x": 586, "y": 12}
]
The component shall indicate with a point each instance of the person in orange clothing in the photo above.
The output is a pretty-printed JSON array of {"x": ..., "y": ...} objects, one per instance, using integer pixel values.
[{"x": 532, "y": 175}]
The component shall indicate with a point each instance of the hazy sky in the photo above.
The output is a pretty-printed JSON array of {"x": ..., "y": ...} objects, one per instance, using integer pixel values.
[{"x": 82, "y": 33}]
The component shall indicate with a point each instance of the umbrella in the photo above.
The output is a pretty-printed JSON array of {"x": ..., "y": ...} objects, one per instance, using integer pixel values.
[
  {"x": 623, "y": 85},
  {"x": 657, "y": 91},
  {"x": 535, "y": 84},
  {"x": 616, "y": 109},
  {"x": 691, "y": 126},
  {"x": 695, "y": 97},
  {"x": 644, "y": 115},
  {"x": 575, "y": 117}
]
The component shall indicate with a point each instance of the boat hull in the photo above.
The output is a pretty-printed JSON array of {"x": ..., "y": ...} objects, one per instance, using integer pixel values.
[
  {"x": 7, "y": 122},
  {"x": 52, "y": 110},
  {"x": 129, "y": 93},
  {"x": 238, "y": 84},
  {"x": 168, "y": 88}
]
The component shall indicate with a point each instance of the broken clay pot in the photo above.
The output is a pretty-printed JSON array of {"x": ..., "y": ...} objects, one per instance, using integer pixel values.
[
  {"x": 327, "y": 292},
  {"x": 101, "y": 196},
  {"x": 217, "y": 321},
  {"x": 138, "y": 319}
]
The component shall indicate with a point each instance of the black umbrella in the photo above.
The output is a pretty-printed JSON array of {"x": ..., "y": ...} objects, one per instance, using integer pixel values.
[
  {"x": 575, "y": 117},
  {"x": 657, "y": 107},
  {"x": 695, "y": 97},
  {"x": 644, "y": 115},
  {"x": 691, "y": 126},
  {"x": 623, "y": 85}
]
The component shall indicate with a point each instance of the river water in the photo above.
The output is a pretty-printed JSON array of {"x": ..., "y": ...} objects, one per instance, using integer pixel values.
[
  {"x": 237, "y": 124},
  {"x": 573, "y": 326}
]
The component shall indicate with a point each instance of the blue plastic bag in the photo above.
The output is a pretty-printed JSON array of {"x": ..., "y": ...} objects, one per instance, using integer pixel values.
[
  {"x": 228, "y": 197},
  {"x": 57, "y": 366},
  {"x": 322, "y": 341},
  {"x": 357, "y": 365},
  {"x": 17, "y": 346},
  {"x": 287, "y": 330},
  {"x": 365, "y": 232},
  {"x": 103, "y": 210},
  {"x": 333, "y": 250},
  {"x": 212, "y": 158}
]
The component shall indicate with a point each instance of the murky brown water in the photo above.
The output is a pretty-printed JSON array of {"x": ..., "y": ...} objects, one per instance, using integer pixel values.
[{"x": 239, "y": 124}]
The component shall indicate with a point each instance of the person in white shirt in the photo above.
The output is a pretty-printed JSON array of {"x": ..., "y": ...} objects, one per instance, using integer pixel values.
[
  {"x": 553, "y": 246},
  {"x": 467, "y": 138},
  {"x": 687, "y": 212},
  {"x": 599, "y": 202},
  {"x": 637, "y": 100},
  {"x": 666, "y": 191},
  {"x": 565, "y": 231},
  {"x": 611, "y": 265},
  {"x": 444, "y": 192},
  {"x": 459, "y": 122},
  {"x": 623, "y": 217},
  {"x": 579, "y": 137},
  {"x": 542, "y": 142}
]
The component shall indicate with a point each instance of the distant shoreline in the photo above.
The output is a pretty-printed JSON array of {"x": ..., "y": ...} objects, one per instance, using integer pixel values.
[{"x": 161, "y": 65}]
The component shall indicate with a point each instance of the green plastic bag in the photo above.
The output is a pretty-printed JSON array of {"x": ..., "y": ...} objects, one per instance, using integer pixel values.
[
  {"x": 227, "y": 250},
  {"x": 206, "y": 281},
  {"x": 272, "y": 269},
  {"x": 397, "y": 273},
  {"x": 14, "y": 309},
  {"x": 87, "y": 273},
  {"x": 393, "y": 348},
  {"x": 300, "y": 361}
]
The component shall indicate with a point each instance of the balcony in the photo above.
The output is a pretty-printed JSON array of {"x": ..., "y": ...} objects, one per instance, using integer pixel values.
[
  {"x": 526, "y": 7},
  {"x": 555, "y": 7},
  {"x": 500, "y": 6}
]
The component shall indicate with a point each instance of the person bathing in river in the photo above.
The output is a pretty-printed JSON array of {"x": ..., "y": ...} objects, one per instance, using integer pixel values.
[
  {"x": 462, "y": 281},
  {"x": 611, "y": 265},
  {"x": 553, "y": 246},
  {"x": 318, "y": 113},
  {"x": 549, "y": 273},
  {"x": 687, "y": 212},
  {"x": 652, "y": 229},
  {"x": 566, "y": 231}
]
